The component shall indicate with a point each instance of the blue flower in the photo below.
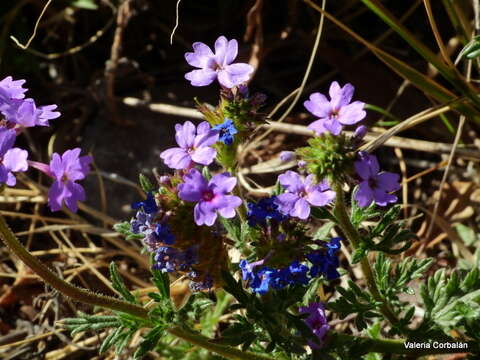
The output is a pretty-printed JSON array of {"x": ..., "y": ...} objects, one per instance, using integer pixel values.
[
  {"x": 263, "y": 210},
  {"x": 163, "y": 233},
  {"x": 169, "y": 259},
  {"x": 326, "y": 263},
  {"x": 262, "y": 280},
  {"x": 298, "y": 273},
  {"x": 227, "y": 130},
  {"x": 149, "y": 205}
]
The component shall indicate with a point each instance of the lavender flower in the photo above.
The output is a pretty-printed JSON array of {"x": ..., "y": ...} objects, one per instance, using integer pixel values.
[
  {"x": 337, "y": 112},
  {"x": 287, "y": 156},
  {"x": 212, "y": 196},
  {"x": 66, "y": 169},
  {"x": 194, "y": 146},
  {"x": 301, "y": 194},
  {"x": 316, "y": 321},
  {"x": 11, "y": 159},
  {"x": 226, "y": 131},
  {"x": 11, "y": 89},
  {"x": 374, "y": 186},
  {"x": 24, "y": 112},
  {"x": 217, "y": 65}
]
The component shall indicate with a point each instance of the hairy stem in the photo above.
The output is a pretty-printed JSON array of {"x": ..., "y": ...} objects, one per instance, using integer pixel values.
[
  {"x": 203, "y": 342},
  {"x": 354, "y": 237},
  {"x": 78, "y": 294}
]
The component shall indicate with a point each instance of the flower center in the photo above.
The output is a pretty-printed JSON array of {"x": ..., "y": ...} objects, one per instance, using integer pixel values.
[
  {"x": 372, "y": 183},
  {"x": 334, "y": 114},
  {"x": 208, "y": 195},
  {"x": 64, "y": 178}
]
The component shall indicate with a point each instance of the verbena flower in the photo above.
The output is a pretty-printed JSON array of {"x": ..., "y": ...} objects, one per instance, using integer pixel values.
[
  {"x": 212, "y": 196},
  {"x": 11, "y": 159},
  {"x": 226, "y": 131},
  {"x": 326, "y": 263},
  {"x": 217, "y": 65},
  {"x": 375, "y": 185},
  {"x": 337, "y": 111},
  {"x": 194, "y": 146},
  {"x": 149, "y": 205},
  {"x": 25, "y": 113},
  {"x": 301, "y": 194},
  {"x": 66, "y": 170},
  {"x": 265, "y": 209},
  {"x": 11, "y": 89},
  {"x": 316, "y": 321}
]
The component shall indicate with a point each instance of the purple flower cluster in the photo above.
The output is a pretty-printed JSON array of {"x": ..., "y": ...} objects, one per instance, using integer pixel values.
[
  {"x": 217, "y": 65},
  {"x": 333, "y": 114},
  {"x": 263, "y": 278},
  {"x": 317, "y": 322},
  {"x": 301, "y": 194},
  {"x": 19, "y": 113},
  {"x": 375, "y": 186}
]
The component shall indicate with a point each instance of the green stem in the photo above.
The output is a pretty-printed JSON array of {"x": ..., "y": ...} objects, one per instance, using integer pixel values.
[
  {"x": 205, "y": 343},
  {"x": 354, "y": 237},
  {"x": 78, "y": 294},
  {"x": 87, "y": 297},
  {"x": 389, "y": 346}
]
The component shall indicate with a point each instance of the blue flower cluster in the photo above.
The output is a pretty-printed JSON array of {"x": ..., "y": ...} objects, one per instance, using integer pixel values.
[
  {"x": 265, "y": 209},
  {"x": 324, "y": 262},
  {"x": 157, "y": 235},
  {"x": 226, "y": 130}
]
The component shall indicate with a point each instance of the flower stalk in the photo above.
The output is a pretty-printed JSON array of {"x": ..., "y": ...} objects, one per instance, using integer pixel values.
[{"x": 354, "y": 237}]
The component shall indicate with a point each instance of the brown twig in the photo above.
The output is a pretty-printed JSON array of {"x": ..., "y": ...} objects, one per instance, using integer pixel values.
[{"x": 123, "y": 17}]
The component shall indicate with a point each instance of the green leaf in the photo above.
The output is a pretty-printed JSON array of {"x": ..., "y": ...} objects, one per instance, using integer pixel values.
[
  {"x": 119, "y": 285},
  {"x": 323, "y": 232},
  {"x": 151, "y": 339},
  {"x": 145, "y": 183},
  {"x": 466, "y": 234},
  {"x": 162, "y": 282}
]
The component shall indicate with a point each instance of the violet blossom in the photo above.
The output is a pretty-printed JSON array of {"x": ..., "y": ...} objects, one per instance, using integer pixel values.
[
  {"x": 25, "y": 113},
  {"x": 66, "y": 169},
  {"x": 11, "y": 89},
  {"x": 337, "y": 111},
  {"x": 194, "y": 146},
  {"x": 11, "y": 159},
  {"x": 375, "y": 185},
  {"x": 317, "y": 322},
  {"x": 217, "y": 65},
  {"x": 212, "y": 196},
  {"x": 300, "y": 194}
]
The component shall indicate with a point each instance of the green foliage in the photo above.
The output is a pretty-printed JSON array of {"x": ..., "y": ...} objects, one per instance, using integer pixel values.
[
  {"x": 472, "y": 49},
  {"x": 119, "y": 285},
  {"x": 451, "y": 302},
  {"x": 85, "y": 4},
  {"x": 356, "y": 301},
  {"x": 145, "y": 183}
]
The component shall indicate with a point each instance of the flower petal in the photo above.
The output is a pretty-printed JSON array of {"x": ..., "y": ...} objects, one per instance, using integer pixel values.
[
  {"x": 351, "y": 114},
  {"x": 193, "y": 187},
  {"x": 204, "y": 155},
  {"x": 388, "y": 181},
  {"x": 185, "y": 134},
  {"x": 201, "y": 77},
  {"x": 364, "y": 195},
  {"x": 176, "y": 158},
  {"x": 201, "y": 55},
  {"x": 234, "y": 74},
  {"x": 16, "y": 160},
  {"x": 318, "y": 105},
  {"x": 204, "y": 214},
  {"x": 301, "y": 209},
  {"x": 222, "y": 183},
  {"x": 318, "y": 126},
  {"x": 291, "y": 181}
]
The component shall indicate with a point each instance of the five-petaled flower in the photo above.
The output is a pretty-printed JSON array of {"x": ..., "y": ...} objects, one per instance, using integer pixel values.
[
  {"x": 24, "y": 112},
  {"x": 374, "y": 186},
  {"x": 11, "y": 159},
  {"x": 316, "y": 321},
  {"x": 217, "y": 65},
  {"x": 194, "y": 146},
  {"x": 212, "y": 196},
  {"x": 301, "y": 194},
  {"x": 226, "y": 130},
  {"x": 66, "y": 169},
  {"x": 337, "y": 112}
]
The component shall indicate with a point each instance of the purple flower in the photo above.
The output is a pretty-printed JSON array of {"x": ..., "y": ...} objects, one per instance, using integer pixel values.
[
  {"x": 11, "y": 89},
  {"x": 217, "y": 65},
  {"x": 316, "y": 321},
  {"x": 212, "y": 196},
  {"x": 374, "y": 186},
  {"x": 25, "y": 113},
  {"x": 194, "y": 146},
  {"x": 11, "y": 159},
  {"x": 149, "y": 205},
  {"x": 301, "y": 194},
  {"x": 337, "y": 112},
  {"x": 360, "y": 132},
  {"x": 66, "y": 169}
]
